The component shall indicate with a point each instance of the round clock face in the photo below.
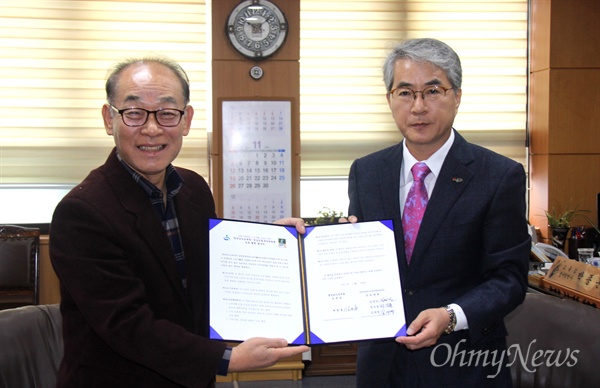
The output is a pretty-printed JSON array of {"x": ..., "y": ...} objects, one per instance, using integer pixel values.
[{"x": 257, "y": 28}]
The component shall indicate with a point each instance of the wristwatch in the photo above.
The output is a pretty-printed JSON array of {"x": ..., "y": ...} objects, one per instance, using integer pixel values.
[
  {"x": 257, "y": 28},
  {"x": 452, "y": 323}
]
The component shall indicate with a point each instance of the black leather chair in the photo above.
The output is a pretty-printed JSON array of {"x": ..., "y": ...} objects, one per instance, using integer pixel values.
[
  {"x": 558, "y": 340},
  {"x": 19, "y": 266},
  {"x": 31, "y": 346}
]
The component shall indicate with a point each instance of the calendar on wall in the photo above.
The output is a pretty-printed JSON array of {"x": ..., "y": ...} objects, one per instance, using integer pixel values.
[{"x": 257, "y": 160}]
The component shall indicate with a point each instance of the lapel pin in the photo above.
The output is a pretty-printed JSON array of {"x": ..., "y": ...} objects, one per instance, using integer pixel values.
[{"x": 457, "y": 180}]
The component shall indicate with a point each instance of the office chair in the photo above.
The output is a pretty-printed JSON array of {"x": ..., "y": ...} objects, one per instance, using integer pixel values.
[
  {"x": 19, "y": 266},
  {"x": 31, "y": 346}
]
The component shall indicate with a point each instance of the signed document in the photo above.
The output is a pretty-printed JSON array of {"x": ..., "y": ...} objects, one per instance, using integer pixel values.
[{"x": 335, "y": 283}]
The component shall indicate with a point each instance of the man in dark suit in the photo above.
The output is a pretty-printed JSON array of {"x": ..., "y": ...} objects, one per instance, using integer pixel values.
[
  {"x": 469, "y": 265},
  {"x": 130, "y": 247}
]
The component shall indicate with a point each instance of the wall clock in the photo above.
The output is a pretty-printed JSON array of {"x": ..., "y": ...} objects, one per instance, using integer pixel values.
[{"x": 257, "y": 28}]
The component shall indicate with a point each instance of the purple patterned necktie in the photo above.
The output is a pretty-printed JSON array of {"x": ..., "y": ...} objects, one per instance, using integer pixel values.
[{"x": 416, "y": 201}]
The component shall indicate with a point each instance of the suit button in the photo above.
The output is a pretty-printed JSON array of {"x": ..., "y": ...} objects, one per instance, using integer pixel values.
[{"x": 489, "y": 329}]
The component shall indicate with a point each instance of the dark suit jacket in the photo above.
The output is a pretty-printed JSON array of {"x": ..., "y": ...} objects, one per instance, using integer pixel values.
[
  {"x": 127, "y": 320},
  {"x": 472, "y": 249}
]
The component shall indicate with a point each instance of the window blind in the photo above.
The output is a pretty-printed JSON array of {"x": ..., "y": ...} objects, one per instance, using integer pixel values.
[
  {"x": 343, "y": 110},
  {"x": 54, "y": 57}
]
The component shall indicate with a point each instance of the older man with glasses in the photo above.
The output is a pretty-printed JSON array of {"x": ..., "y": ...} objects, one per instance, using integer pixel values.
[{"x": 130, "y": 247}]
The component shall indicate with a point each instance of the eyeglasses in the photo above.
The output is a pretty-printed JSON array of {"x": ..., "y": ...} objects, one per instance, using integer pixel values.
[
  {"x": 430, "y": 93},
  {"x": 136, "y": 117}
]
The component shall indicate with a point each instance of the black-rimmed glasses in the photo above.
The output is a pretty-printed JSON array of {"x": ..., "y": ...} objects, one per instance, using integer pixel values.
[{"x": 136, "y": 117}]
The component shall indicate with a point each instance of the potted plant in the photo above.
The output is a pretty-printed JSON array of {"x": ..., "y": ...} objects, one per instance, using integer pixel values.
[
  {"x": 560, "y": 223},
  {"x": 326, "y": 216}
]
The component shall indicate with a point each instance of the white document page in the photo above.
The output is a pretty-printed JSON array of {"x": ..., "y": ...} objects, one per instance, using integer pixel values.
[
  {"x": 255, "y": 286},
  {"x": 353, "y": 282}
]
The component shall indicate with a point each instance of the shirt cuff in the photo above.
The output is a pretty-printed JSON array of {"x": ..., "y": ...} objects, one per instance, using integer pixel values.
[
  {"x": 461, "y": 318},
  {"x": 224, "y": 364}
]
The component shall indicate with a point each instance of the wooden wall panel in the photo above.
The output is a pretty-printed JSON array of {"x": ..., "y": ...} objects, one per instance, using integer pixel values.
[
  {"x": 231, "y": 80},
  {"x": 539, "y": 112},
  {"x": 564, "y": 107},
  {"x": 538, "y": 191},
  {"x": 562, "y": 33},
  {"x": 539, "y": 35},
  {"x": 574, "y": 111},
  {"x": 575, "y": 33}
]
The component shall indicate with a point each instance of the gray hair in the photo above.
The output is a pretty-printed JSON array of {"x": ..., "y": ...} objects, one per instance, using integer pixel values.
[
  {"x": 424, "y": 50},
  {"x": 113, "y": 77}
]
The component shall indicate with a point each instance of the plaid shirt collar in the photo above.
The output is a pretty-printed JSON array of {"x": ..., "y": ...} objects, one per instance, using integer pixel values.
[{"x": 174, "y": 181}]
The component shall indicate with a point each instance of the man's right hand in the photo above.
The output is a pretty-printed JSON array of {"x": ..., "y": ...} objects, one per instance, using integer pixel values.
[
  {"x": 351, "y": 219},
  {"x": 261, "y": 352}
]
